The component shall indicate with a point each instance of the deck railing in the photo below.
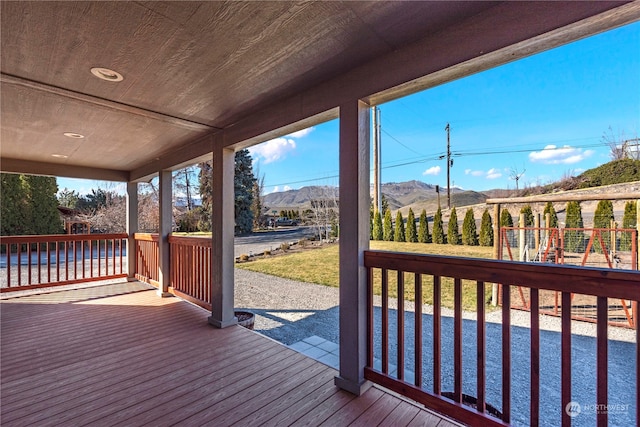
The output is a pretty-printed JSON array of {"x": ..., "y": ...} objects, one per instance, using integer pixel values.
[
  {"x": 191, "y": 269},
  {"x": 414, "y": 275},
  {"x": 147, "y": 258},
  {"x": 190, "y": 266},
  {"x": 29, "y": 262}
]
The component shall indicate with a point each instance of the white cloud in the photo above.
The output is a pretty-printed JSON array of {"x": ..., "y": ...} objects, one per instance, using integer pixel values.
[
  {"x": 552, "y": 155},
  {"x": 273, "y": 150},
  {"x": 493, "y": 173},
  {"x": 300, "y": 133},
  {"x": 490, "y": 174},
  {"x": 435, "y": 170}
]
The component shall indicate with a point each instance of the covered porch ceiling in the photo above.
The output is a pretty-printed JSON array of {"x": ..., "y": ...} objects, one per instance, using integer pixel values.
[{"x": 238, "y": 73}]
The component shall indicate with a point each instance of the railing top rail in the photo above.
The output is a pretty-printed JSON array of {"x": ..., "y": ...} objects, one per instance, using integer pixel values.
[
  {"x": 582, "y": 280},
  {"x": 516, "y": 228},
  {"x": 191, "y": 240},
  {"x": 147, "y": 237},
  {"x": 60, "y": 238}
]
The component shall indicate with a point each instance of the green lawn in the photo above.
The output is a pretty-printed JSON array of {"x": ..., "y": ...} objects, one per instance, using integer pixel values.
[{"x": 321, "y": 266}]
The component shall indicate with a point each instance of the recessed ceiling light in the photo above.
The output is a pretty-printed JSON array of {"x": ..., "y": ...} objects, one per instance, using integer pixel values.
[
  {"x": 59, "y": 156},
  {"x": 73, "y": 135},
  {"x": 107, "y": 74}
]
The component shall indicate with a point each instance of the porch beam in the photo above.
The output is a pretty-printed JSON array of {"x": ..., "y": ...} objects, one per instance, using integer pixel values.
[
  {"x": 166, "y": 222},
  {"x": 354, "y": 240},
  {"x": 132, "y": 227},
  {"x": 222, "y": 228},
  {"x": 10, "y": 165}
]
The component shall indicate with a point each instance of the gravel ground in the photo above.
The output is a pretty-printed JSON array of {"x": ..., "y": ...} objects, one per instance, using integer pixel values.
[{"x": 290, "y": 311}]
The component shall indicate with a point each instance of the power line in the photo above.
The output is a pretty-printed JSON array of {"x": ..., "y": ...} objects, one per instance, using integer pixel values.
[{"x": 441, "y": 156}]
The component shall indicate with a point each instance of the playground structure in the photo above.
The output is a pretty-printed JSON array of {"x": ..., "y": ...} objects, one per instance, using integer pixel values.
[{"x": 604, "y": 248}]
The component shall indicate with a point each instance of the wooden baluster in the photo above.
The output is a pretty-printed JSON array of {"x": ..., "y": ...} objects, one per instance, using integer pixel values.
[
  {"x": 602, "y": 360},
  {"x": 400, "y": 321},
  {"x": 437, "y": 336},
  {"x": 480, "y": 346},
  {"x": 418, "y": 330},
  {"x": 565, "y": 357},
  {"x": 534, "y": 404},
  {"x": 457, "y": 340},
  {"x": 506, "y": 353},
  {"x": 385, "y": 322}
]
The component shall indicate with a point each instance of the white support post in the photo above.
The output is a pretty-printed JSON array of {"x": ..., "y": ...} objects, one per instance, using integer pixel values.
[
  {"x": 132, "y": 228},
  {"x": 166, "y": 223},
  {"x": 354, "y": 240},
  {"x": 222, "y": 228}
]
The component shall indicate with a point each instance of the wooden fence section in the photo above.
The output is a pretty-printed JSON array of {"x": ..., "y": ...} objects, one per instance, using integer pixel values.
[
  {"x": 29, "y": 262},
  {"x": 191, "y": 269},
  {"x": 411, "y": 274},
  {"x": 588, "y": 247},
  {"x": 147, "y": 258}
]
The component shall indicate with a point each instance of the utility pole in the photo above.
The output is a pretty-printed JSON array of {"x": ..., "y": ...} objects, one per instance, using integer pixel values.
[
  {"x": 449, "y": 164},
  {"x": 377, "y": 160}
]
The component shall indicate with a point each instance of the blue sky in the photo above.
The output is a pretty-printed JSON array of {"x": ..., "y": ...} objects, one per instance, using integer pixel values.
[
  {"x": 565, "y": 98},
  {"x": 542, "y": 117}
]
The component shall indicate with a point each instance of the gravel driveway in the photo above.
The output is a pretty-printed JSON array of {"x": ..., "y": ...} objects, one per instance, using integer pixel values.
[{"x": 289, "y": 311}]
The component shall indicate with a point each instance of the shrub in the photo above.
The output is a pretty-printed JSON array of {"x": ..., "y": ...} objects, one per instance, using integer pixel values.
[
  {"x": 399, "y": 236},
  {"x": 438, "y": 228},
  {"x": 284, "y": 246},
  {"x": 505, "y": 219},
  {"x": 452, "y": 229},
  {"x": 244, "y": 257},
  {"x": 411, "y": 234},
  {"x": 423, "y": 228},
  {"x": 377, "y": 226},
  {"x": 387, "y": 231},
  {"x": 469, "y": 234},
  {"x": 486, "y": 229},
  {"x": 549, "y": 209},
  {"x": 574, "y": 239},
  {"x": 602, "y": 219},
  {"x": 529, "y": 221},
  {"x": 628, "y": 221}
]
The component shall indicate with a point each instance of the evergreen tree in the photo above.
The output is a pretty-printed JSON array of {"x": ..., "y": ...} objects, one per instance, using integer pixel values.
[
  {"x": 549, "y": 209},
  {"x": 243, "y": 183},
  {"x": 387, "y": 233},
  {"x": 629, "y": 220},
  {"x": 505, "y": 219},
  {"x": 398, "y": 235},
  {"x": 529, "y": 221},
  {"x": 469, "y": 231},
  {"x": 256, "y": 206},
  {"x": 243, "y": 192},
  {"x": 602, "y": 219},
  {"x": 43, "y": 204},
  {"x": 377, "y": 226},
  {"x": 68, "y": 198},
  {"x": 205, "y": 181},
  {"x": 486, "y": 229},
  {"x": 574, "y": 239},
  {"x": 453, "y": 235},
  {"x": 438, "y": 228},
  {"x": 423, "y": 228},
  {"x": 411, "y": 234},
  {"x": 15, "y": 217}
]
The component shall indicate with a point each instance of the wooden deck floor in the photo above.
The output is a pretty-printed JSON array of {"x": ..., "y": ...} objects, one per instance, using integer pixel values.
[{"x": 120, "y": 355}]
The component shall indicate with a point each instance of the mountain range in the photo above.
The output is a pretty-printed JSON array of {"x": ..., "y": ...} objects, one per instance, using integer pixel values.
[{"x": 399, "y": 195}]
